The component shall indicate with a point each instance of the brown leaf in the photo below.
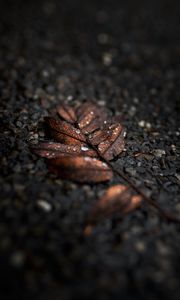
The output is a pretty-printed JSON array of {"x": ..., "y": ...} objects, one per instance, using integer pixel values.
[
  {"x": 90, "y": 117},
  {"x": 118, "y": 198},
  {"x": 81, "y": 130},
  {"x": 110, "y": 141},
  {"x": 99, "y": 136},
  {"x": 67, "y": 113},
  {"x": 64, "y": 132},
  {"x": 86, "y": 132},
  {"x": 84, "y": 108},
  {"x": 55, "y": 150},
  {"x": 80, "y": 169}
]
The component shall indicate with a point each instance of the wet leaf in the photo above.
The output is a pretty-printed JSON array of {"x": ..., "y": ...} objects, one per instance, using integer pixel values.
[
  {"x": 117, "y": 199},
  {"x": 55, "y": 150},
  {"x": 80, "y": 169},
  {"x": 67, "y": 113},
  {"x": 80, "y": 134},
  {"x": 91, "y": 117},
  {"x": 83, "y": 133},
  {"x": 64, "y": 132},
  {"x": 110, "y": 141}
]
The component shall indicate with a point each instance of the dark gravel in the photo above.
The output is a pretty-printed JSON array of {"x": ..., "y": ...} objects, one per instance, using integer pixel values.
[{"x": 124, "y": 54}]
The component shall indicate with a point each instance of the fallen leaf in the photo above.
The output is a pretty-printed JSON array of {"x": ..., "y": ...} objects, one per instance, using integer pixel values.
[
  {"x": 67, "y": 113},
  {"x": 80, "y": 134},
  {"x": 80, "y": 169},
  {"x": 64, "y": 132},
  {"x": 83, "y": 133},
  {"x": 117, "y": 199},
  {"x": 110, "y": 141}
]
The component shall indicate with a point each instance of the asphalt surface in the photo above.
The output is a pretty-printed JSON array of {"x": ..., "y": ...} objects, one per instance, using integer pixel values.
[{"x": 125, "y": 55}]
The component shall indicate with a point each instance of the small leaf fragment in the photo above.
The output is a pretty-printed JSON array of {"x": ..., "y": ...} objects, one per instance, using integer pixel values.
[
  {"x": 110, "y": 140},
  {"x": 90, "y": 117},
  {"x": 64, "y": 132},
  {"x": 99, "y": 136},
  {"x": 67, "y": 113},
  {"x": 80, "y": 169},
  {"x": 117, "y": 199},
  {"x": 113, "y": 145}
]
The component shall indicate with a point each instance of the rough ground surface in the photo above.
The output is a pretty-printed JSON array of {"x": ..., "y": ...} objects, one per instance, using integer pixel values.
[{"x": 126, "y": 55}]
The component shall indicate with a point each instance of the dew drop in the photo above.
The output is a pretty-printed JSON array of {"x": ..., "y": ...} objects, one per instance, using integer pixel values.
[
  {"x": 104, "y": 164},
  {"x": 83, "y": 148},
  {"x": 124, "y": 134}
]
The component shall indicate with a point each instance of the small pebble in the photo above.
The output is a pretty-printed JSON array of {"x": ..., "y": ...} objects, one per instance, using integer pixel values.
[
  {"x": 103, "y": 38},
  {"x": 141, "y": 123},
  {"x": 132, "y": 111},
  {"x": 131, "y": 171},
  {"x": 107, "y": 59},
  {"x": 101, "y": 103},
  {"x": 45, "y": 73},
  {"x": 173, "y": 147},
  {"x": 177, "y": 176},
  {"x": 69, "y": 98},
  {"x": 136, "y": 100},
  {"x": 17, "y": 259},
  {"x": 159, "y": 152},
  {"x": 144, "y": 124},
  {"x": 140, "y": 246},
  {"x": 44, "y": 205}
]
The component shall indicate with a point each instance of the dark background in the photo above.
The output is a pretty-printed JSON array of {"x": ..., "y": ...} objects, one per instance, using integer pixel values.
[{"x": 125, "y": 53}]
